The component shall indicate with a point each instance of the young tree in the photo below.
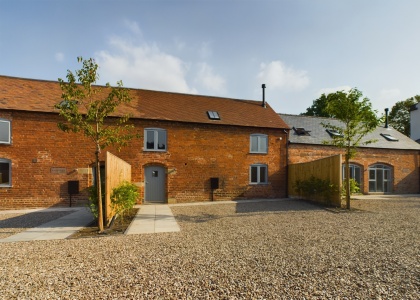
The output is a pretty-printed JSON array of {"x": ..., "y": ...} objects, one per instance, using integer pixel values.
[
  {"x": 399, "y": 117},
  {"x": 357, "y": 119},
  {"x": 318, "y": 108},
  {"x": 86, "y": 108}
]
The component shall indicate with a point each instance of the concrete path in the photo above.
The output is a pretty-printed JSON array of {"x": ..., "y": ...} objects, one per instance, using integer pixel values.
[
  {"x": 153, "y": 219},
  {"x": 57, "y": 229}
]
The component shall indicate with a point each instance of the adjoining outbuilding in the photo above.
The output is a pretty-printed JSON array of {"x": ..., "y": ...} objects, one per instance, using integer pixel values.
[{"x": 390, "y": 165}]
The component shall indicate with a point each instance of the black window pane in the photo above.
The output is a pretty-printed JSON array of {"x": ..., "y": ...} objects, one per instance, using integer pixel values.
[
  {"x": 357, "y": 175},
  {"x": 150, "y": 140},
  {"x": 4, "y": 173},
  {"x": 263, "y": 174},
  {"x": 161, "y": 140},
  {"x": 254, "y": 174},
  {"x": 372, "y": 186}
]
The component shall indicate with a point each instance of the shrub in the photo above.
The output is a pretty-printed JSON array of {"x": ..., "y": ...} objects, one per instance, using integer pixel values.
[
  {"x": 93, "y": 201},
  {"x": 354, "y": 187},
  {"x": 314, "y": 187},
  {"x": 123, "y": 198}
]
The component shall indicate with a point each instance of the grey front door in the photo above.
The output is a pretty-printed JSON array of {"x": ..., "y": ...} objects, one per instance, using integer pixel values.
[{"x": 155, "y": 184}]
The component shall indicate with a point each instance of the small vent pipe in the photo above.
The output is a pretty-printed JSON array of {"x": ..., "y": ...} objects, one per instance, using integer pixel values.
[
  {"x": 386, "y": 117},
  {"x": 263, "y": 95}
]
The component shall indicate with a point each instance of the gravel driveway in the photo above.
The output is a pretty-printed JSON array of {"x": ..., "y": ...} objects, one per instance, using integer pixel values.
[{"x": 265, "y": 250}]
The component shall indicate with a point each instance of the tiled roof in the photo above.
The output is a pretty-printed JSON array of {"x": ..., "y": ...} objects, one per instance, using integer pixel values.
[
  {"x": 41, "y": 96},
  {"x": 318, "y": 133}
]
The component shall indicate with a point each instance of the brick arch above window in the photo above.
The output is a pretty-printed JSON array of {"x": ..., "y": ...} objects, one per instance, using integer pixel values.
[{"x": 381, "y": 163}]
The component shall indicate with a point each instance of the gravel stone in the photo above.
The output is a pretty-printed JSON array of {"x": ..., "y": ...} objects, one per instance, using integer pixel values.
[{"x": 264, "y": 250}]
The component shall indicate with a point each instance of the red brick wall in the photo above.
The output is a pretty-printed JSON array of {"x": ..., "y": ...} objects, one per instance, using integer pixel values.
[
  {"x": 45, "y": 158},
  {"x": 405, "y": 164}
]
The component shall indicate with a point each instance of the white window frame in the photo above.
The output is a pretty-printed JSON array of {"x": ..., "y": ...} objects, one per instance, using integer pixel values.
[
  {"x": 262, "y": 142},
  {"x": 258, "y": 167},
  {"x": 156, "y": 133},
  {"x": 386, "y": 178},
  {"x": 353, "y": 173},
  {"x": 8, "y": 141},
  {"x": 8, "y": 161}
]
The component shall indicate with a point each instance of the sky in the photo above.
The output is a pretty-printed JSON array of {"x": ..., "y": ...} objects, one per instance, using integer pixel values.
[{"x": 299, "y": 49}]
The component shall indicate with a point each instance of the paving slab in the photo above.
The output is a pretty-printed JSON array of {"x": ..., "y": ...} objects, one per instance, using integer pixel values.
[
  {"x": 60, "y": 228},
  {"x": 153, "y": 219}
]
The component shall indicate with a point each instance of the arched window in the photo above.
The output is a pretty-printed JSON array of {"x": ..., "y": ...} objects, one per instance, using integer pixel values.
[
  {"x": 380, "y": 179},
  {"x": 5, "y": 172},
  {"x": 355, "y": 173}
]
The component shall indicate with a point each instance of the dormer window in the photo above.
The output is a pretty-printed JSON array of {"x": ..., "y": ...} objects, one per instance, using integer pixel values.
[
  {"x": 213, "y": 115},
  {"x": 301, "y": 131},
  {"x": 389, "y": 137},
  {"x": 334, "y": 133}
]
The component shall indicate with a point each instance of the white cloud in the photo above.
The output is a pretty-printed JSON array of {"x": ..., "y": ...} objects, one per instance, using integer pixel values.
[
  {"x": 59, "y": 56},
  {"x": 143, "y": 66},
  {"x": 278, "y": 76},
  {"x": 327, "y": 91},
  {"x": 133, "y": 27},
  {"x": 209, "y": 80}
]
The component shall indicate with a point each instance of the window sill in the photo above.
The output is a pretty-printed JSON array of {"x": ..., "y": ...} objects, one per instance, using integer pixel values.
[
  {"x": 259, "y": 183},
  {"x": 258, "y": 152},
  {"x": 153, "y": 150}
]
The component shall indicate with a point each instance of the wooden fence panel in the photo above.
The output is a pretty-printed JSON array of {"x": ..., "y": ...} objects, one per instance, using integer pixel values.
[
  {"x": 326, "y": 169},
  {"x": 116, "y": 171}
]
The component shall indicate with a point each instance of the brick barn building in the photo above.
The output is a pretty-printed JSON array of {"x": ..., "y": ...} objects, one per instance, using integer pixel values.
[
  {"x": 390, "y": 165},
  {"x": 187, "y": 142}
]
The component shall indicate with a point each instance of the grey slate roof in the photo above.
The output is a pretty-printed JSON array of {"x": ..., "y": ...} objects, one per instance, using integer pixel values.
[{"x": 318, "y": 134}]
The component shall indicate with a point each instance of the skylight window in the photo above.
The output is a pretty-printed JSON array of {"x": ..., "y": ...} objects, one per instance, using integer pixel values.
[
  {"x": 334, "y": 133},
  {"x": 389, "y": 137},
  {"x": 213, "y": 115},
  {"x": 301, "y": 131}
]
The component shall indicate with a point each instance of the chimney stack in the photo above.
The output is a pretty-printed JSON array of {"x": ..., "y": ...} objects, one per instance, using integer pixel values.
[
  {"x": 386, "y": 117},
  {"x": 263, "y": 96}
]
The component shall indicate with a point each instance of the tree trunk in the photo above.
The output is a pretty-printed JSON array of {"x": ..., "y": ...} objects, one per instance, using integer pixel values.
[
  {"x": 99, "y": 191},
  {"x": 347, "y": 170}
]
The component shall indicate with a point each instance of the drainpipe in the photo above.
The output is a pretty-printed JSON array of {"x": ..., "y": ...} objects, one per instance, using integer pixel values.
[{"x": 386, "y": 117}]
